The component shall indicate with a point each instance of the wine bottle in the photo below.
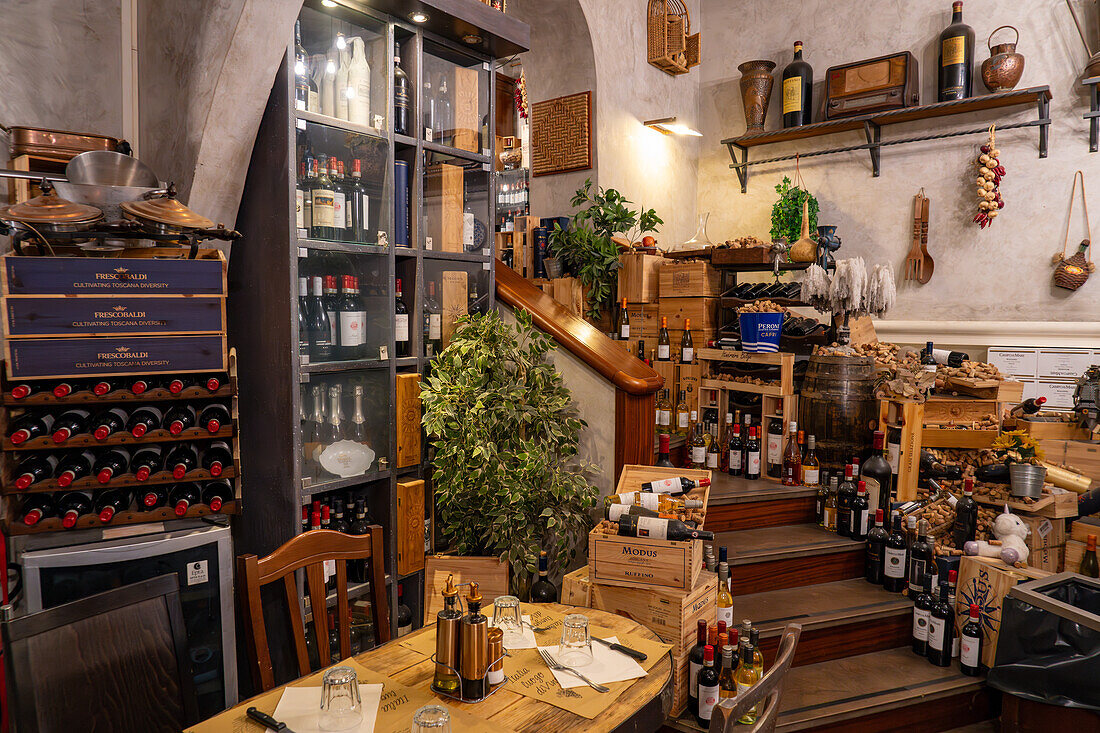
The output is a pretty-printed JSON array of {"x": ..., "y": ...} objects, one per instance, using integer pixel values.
[
  {"x": 695, "y": 665},
  {"x": 433, "y": 323},
  {"x": 401, "y": 323},
  {"x": 941, "y": 629},
  {"x": 181, "y": 460},
  {"x": 697, "y": 446},
  {"x": 894, "y": 578},
  {"x": 23, "y": 390},
  {"x": 970, "y": 648},
  {"x": 792, "y": 457},
  {"x": 928, "y": 366},
  {"x": 35, "y": 508},
  {"x": 111, "y": 464},
  {"x": 660, "y": 529},
  {"x": 664, "y": 343},
  {"x": 144, "y": 419},
  {"x": 687, "y": 348},
  {"x": 303, "y": 320},
  {"x": 829, "y": 515},
  {"x": 624, "y": 322},
  {"x": 798, "y": 90},
  {"x": 301, "y": 70},
  {"x": 182, "y": 497},
  {"x": 140, "y": 386},
  {"x": 715, "y": 451},
  {"x": 774, "y": 453},
  {"x": 216, "y": 493},
  {"x": 931, "y": 468},
  {"x": 214, "y": 417},
  {"x": 146, "y": 461},
  {"x": 216, "y": 457},
  {"x": 877, "y": 474},
  {"x": 683, "y": 415},
  {"x": 108, "y": 422},
  {"x": 351, "y": 321},
  {"x": 66, "y": 388},
  {"x": 822, "y": 496},
  {"x": 73, "y": 466},
  {"x": 32, "y": 469},
  {"x": 677, "y": 485},
  {"x": 859, "y": 513},
  {"x": 811, "y": 465},
  {"x": 845, "y": 493},
  {"x": 339, "y": 523},
  {"x": 873, "y": 564},
  {"x": 102, "y": 387},
  {"x": 1089, "y": 566},
  {"x": 956, "y": 58},
  {"x": 69, "y": 423},
  {"x": 950, "y": 358},
  {"x": 727, "y": 683},
  {"x": 110, "y": 502},
  {"x": 178, "y": 419},
  {"x": 922, "y": 606},
  {"x": 72, "y": 505},
  {"x": 747, "y": 676},
  {"x": 332, "y": 430},
  {"x": 1030, "y": 406},
  {"x": 725, "y": 598},
  {"x": 952, "y": 587},
  {"x": 175, "y": 385},
  {"x": 542, "y": 590},
  {"x": 152, "y": 498},
  {"x": 330, "y": 304},
  {"x": 400, "y": 96},
  {"x": 359, "y": 206},
  {"x": 663, "y": 440},
  {"x": 921, "y": 559},
  {"x": 752, "y": 450},
  {"x": 708, "y": 688},
  {"x": 965, "y": 525},
  {"x": 735, "y": 451}
]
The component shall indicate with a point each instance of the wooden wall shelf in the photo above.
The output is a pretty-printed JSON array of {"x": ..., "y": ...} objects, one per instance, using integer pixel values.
[{"x": 872, "y": 124}]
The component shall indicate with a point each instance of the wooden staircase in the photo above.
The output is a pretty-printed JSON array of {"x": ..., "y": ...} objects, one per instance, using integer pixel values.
[{"x": 854, "y": 670}]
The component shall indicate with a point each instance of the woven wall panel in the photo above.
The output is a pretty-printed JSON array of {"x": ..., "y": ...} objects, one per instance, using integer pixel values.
[{"x": 561, "y": 134}]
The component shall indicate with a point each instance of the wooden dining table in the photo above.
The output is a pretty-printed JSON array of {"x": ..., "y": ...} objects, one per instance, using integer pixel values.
[{"x": 642, "y": 706}]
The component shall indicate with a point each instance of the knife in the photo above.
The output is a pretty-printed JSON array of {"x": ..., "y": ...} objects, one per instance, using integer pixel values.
[
  {"x": 633, "y": 653},
  {"x": 265, "y": 719}
]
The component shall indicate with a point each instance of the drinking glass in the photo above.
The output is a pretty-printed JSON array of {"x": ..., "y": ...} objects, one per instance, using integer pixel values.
[
  {"x": 341, "y": 707},
  {"x": 576, "y": 646},
  {"x": 508, "y": 618},
  {"x": 431, "y": 719}
]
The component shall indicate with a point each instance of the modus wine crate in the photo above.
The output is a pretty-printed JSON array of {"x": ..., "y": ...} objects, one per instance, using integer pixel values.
[{"x": 642, "y": 562}]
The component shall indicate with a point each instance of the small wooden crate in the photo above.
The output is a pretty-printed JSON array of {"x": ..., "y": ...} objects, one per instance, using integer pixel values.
[
  {"x": 407, "y": 427},
  {"x": 645, "y": 324},
  {"x": 1060, "y": 505},
  {"x": 1051, "y": 430},
  {"x": 961, "y": 410},
  {"x": 575, "y": 588},
  {"x": 986, "y": 581},
  {"x": 491, "y": 573},
  {"x": 701, "y": 311},
  {"x": 956, "y": 438},
  {"x": 1045, "y": 532},
  {"x": 639, "y": 277},
  {"x": 690, "y": 280},
  {"x": 741, "y": 256},
  {"x": 908, "y": 417},
  {"x": 640, "y": 562}
]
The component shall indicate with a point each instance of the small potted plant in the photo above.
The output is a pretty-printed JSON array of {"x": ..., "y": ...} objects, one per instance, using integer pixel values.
[{"x": 1023, "y": 456}]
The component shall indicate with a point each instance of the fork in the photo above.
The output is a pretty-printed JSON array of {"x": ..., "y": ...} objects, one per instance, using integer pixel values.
[
  {"x": 540, "y": 629},
  {"x": 555, "y": 664},
  {"x": 915, "y": 261}
]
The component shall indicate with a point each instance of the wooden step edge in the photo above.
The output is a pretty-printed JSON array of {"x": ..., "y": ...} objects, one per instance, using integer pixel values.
[
  {"x": 837, "y": 617},
  {"x": 795, "y": 550}
]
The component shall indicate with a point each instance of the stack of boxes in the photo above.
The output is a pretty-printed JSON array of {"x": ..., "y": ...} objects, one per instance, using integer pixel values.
[{"x": 689, "y": 291}]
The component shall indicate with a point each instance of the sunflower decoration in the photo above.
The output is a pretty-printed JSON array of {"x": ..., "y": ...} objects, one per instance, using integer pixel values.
[{"x": 1017, "y": 446}]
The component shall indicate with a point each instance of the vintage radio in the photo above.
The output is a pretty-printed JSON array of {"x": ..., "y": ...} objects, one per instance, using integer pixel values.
[{"x": 874, "y": 85}]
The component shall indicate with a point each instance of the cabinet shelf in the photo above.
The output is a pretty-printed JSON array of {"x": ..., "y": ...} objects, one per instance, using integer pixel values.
[
  {"x": 456, "y": 152},
  {"x": 432, "y": 254},
  {"x": 347, "y": 126},
  {"x": 153, "y": 437},
  {"x": 872, "y": 124},
  {"x": 120, "y": 396},
  {"x": 325, "y": 367},
  {"x": 358, "y": 248},
  {"x": 335, "y": 483}
]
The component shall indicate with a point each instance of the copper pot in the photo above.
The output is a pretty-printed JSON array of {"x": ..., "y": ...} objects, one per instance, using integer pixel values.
[
  {"x": 55, "y": 143},
  {"x": 1001, "y": 72},
  {"x": 756, "y": 91}
]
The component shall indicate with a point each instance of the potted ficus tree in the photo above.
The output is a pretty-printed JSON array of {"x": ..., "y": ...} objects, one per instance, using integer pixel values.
[
  {"x": 504, "y": 434},
  {"x": 1023, "y": 456}
]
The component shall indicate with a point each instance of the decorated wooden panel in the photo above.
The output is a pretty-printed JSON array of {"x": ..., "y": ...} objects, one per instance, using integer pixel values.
[{"x": 561, "y": 134}]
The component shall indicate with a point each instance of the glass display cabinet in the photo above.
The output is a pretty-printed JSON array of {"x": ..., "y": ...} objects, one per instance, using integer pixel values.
[{"x": 368, "y": 222}]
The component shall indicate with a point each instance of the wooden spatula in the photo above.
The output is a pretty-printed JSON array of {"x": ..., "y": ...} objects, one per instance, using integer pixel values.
[{"x": 927, "y": 264}]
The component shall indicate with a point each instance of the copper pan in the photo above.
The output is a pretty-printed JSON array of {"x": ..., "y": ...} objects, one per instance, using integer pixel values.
[{"x": 61, "y": 144}]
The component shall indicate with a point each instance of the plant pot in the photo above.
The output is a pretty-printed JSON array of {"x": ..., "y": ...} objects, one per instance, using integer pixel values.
[
  {"x": 1026, "y": 479},
  {"x": 756, "y": 91},
  {"x": 552, "y": 266}
]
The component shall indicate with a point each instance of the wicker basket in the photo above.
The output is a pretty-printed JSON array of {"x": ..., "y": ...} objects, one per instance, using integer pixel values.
[{"x": 670, "y": 46}]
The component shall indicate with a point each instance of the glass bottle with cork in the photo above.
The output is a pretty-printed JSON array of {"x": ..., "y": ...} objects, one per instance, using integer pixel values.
[{"x": 792, "y": 457}]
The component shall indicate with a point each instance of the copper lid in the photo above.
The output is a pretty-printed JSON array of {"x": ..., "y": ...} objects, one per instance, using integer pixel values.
[
  {"x": 49, "y": 208},
  {"x": 475, "y": 594},
  {"x": 167, "y": 210}
]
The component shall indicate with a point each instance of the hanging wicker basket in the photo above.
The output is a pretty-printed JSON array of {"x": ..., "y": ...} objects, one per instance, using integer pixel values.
[{"x": 671, "y": 46}]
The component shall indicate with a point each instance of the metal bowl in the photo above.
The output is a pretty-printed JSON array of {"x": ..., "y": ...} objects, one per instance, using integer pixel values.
[{"x": 106, "y": 168}]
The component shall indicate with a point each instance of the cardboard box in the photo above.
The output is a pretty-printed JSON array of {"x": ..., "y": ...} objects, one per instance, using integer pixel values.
[
  {"x": 643, "y": 562},
  {"x": 986, "y": 581},
  {"x": 690, "y": 280},
  {"x": 701, "y": 311},
  {"x": 639, "y": 280}
]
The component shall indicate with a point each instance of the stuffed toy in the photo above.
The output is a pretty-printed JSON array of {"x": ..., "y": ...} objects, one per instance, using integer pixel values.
[{"x": 1011, "y": 534}]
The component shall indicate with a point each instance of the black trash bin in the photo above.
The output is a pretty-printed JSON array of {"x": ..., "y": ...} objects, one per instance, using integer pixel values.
[{"x": 1049, "y": 645}]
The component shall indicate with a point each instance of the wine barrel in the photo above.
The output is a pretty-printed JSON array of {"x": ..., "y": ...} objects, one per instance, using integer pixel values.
[{"x": 837, "y": 405}]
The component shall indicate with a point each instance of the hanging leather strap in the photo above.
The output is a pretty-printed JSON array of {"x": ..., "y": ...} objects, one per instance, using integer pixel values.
[{"x": 1085, "y": 205}]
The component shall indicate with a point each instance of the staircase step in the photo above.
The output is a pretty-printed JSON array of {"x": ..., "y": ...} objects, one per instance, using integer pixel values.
[
  {"x": 771, "y": 558},
  {"x": 866, "y": 693},
  {"x": 839, "y": 619},
  {"x": 737, "y": 503}
]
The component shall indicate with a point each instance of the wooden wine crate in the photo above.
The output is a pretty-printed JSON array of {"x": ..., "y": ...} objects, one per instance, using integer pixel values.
[
  {"x": 986, "y": 581},
  {"x": 962, "y": 410},
  {"x": 690, "y": 380},
  {"x": 407, "y": 404},
  {"x": 645, "y": 324},
  {"x": 1080, "y": 529},
  {"x": 1050, "y": 559},
  {"x": 1054, "y": 503},
  {"x": 908, "y": 417},
  {"x": 466, "y": 116},
  {"x": 443, "y": 192},
  {"x": 137, "y": 272},
  {"x": 49, "y": 316},
  {"x": 690, "y": 280},
  {"x": 410, "y": 526},
  {"x": 701, "y": 311},
  {"x": 639, "y": 277},
  {"x": 455, "y": 301},
  {"x": 1075, "y": 550},
  {"x": 955, "y": 438},
  {"x": 110, "y": 356},
  {"x": 1045, "y": 532},
  {"x": 640, "y": 562},
  {"x": 575, "y": 588},
  {"x": 491, "y": 573},
  {"x": 1051, "y": 431}
]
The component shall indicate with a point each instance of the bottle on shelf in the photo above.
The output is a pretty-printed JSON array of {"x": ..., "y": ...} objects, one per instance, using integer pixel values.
[
  {"x": 757, "y": 653},
  {"x": 73, "y": 466},
  {"x": 404, "y": 614},
  {"x": 175, "y": 385},
  {"x": 752, "y": 450},
  {"x": 152, "y": 498},
  {"x": 965, "y": 525},
  {"x": 323, "y": 199},
  {"x": 922, "y": 559},
  {"x": 660, "y": 529},
  {"x": 140, "y": 386},
  {"x": 144, "y": 419},
  {"x": 474, "y": 643},
  {"x": 35, "y": 508},
  {"x": 352, "y": 321},
  {"x": 400, "y": 94},
  {"x": 303, "y": 320},
  {"x": 876, "y": 473},
  {"x": 401, "y": 323},
  {"x": 542, "y": 590},
  {"x": 725, "y": 598},
  {"x": 970, "y": 646},
  {"x": 952, "y": 587},
  {"x": 339, "y": 199},
  {"x": 339, "y": 523},
  {"x": 956, "y": 58},
  {"x": 792, "y": 457},
  {"x": 860, "y": 514},
  {"x": 102, "y": 387},
  {"x": 179, "y": 418},
  {"x": 663, "y": 413},
  {"x": 447, "y": 626},
  {"x": 893, "y": 575},
  {"x": 68, "y": 424},
  {"x": 675, "y": 485},
  {"x": 215, "y": 494},
  {"x": 433, "y": 323},
  {"x": 727, "y": 683},
  {"x": 357, "y": 430},
  {"x": 214, "y": 417},
  {"x": 663, "y": 441},
  {"x": 624, "y": 322},
  {"x": 811, "y": 465},
  {"x": 664, "y": 343},
  {"x": 72, "y": 505},
  {"x": 65, "y": 388},
  {"x": 928, "y": 366},
  {"x": 182, "y": 497},
  {"x": 829, "y": 515},
  {"x": 922, "y": 608},
  {"x": 819, "y": 504},
  {"x": 932, "y": 468},
  {"x": 950, "y": 358},
  {"x": 332, "y": 430},
  {"x": 33, "y": 469},
  {"x": 687, "y": 347},
  {"x": 708, "y": 688},
  {"x": 695, "y": 665},
  {"x": 1089, "y": 566},
  {"x": 774, "y": 454},
  {"x": 845, "y": 493},
  {"x": 736, "y": 450},
  {"x": 146, "y": 461},
  {"x": 216, "y": 457},
  {"x": 941, "y": 629},
  {"x": 111, "y": 464},
  {"x": 724, "y": 445},
  {"x": 301, "y": 70},
  {"x": 108, "y": 422},
  {"x": 798, "y": 89},
  {"x": 747, "y": 677},
  {"x": 330, "y": 305},
  {"x": 181, "y": 460},
  {"x": 697, "y": 445},
  {"x": 874, "y": 562},
  {"x": 110, "y": 502},
  {"x": 23, "y": 390},
  {"x": 1030, "y": 406},
  {"x": 683, "y": 415}
]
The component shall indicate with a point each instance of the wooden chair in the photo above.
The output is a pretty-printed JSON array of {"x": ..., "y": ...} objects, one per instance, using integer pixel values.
[
  {"x": 115, "y": 662},
  {"x": 309, "y": 550},
  {"x": 765, "y": 694}
]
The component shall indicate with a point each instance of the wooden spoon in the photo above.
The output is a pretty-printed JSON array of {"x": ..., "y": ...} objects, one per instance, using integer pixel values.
[{"x": 928, "y": 265}]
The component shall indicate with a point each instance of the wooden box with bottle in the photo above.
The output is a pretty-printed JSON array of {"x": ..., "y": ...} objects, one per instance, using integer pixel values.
[
  {"x": 986, "y": 581},
  {"x": 902, "y": 421},
  {"x": 642, "y": 562}
]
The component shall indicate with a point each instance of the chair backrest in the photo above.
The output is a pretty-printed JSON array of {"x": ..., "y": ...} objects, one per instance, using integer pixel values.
[
  {"x": 115, "y": 662},
  {"x": 764, "y": 694},
  {"x": 309, "y": 550}
]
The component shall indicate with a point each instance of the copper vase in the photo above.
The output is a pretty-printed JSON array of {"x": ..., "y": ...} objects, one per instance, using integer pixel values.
[
  {"x": 756, "y": 91},
  {"x": 1001, "y": 72}
]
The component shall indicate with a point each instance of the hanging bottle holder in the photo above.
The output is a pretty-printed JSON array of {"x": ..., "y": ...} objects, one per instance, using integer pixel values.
[{"x": 1072, "y": 272}]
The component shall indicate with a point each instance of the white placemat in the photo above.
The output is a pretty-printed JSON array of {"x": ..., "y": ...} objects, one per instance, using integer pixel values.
[
  {"x": 607, "y": 666},
  {"x": 300, "y": 707}
]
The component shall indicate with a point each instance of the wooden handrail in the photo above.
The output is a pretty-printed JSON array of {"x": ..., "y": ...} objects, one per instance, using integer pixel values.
[{"x": 582, "y": 339}]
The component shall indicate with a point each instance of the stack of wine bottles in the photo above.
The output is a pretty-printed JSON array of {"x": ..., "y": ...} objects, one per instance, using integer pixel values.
[{"x": 119, "y": 450}]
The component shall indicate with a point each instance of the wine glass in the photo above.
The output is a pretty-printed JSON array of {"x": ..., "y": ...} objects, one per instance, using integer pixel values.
[
  {"x": 576, "y": 646},
  {"x": 508, "y": 618},
  {"x": 341, "y": 707},
  {"x": 431, "y": 719}
]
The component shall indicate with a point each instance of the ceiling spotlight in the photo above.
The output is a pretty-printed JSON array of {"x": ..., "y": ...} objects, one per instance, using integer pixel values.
[
  {"x": 471, "y": 39},
  {"x": 329, "y": 3},
  {"x": 418, "y": 16},
  {"x": 669, "y": 126}
]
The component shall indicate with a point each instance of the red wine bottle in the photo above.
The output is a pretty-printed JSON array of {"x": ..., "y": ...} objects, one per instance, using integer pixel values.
[
  {"x": 215, "y": 494},
  {"x": 110, "y": 502},
  {"x": 175, "y": 385},
  {"x": 695, "y": 665},
  {"x": 33, "y": 469},
  {"x": 146, "y": 462},
  {"x": 956, "y": 58},
  {"x": 181, "y": 460},
  {"x": 213, "y": 417},
  {"x": 70, "y": 423},
  {"x": 965, "y": 525},
  {"x": 111, "y": 464},
  {"x": 23, "y": 390},
  {"x": 144, "y": 419},
  {"x": 72, "y": 505},
  {"x": 893, "y": 574},
  {"x": 798, "y": 90},
  {"x": 663, "y": 460},
  {"x": 970, "y": 649},
  {"x": 28, "y": 426},
  {"x": 708, "y": 688},
  {"x": 216, "y": 457},
  {"x": 140, "y": 386},
  {"x": 182, "y": 497},
  {"x": 179, "y": 418},
  {"x": 36, "y": 507},
  {"x": 874, "y": 563},
  {"x": 74, "y": 466},
  {"x": 212, "y": 382},
  {"x": 941, "y": 629},
  {"x": 661, "y": 529},
  {"x": 108, "y": 422},
  {"x": 922, "y": 607},
  {"x": 102, "y": 388},
  {"x": 152, "y": 498},
  {"x": 66, "y": 388},
  {"x": 752, "y": 450},
  {"x": 542, "y": 590},
  {"x": 677, "y": 485}
]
